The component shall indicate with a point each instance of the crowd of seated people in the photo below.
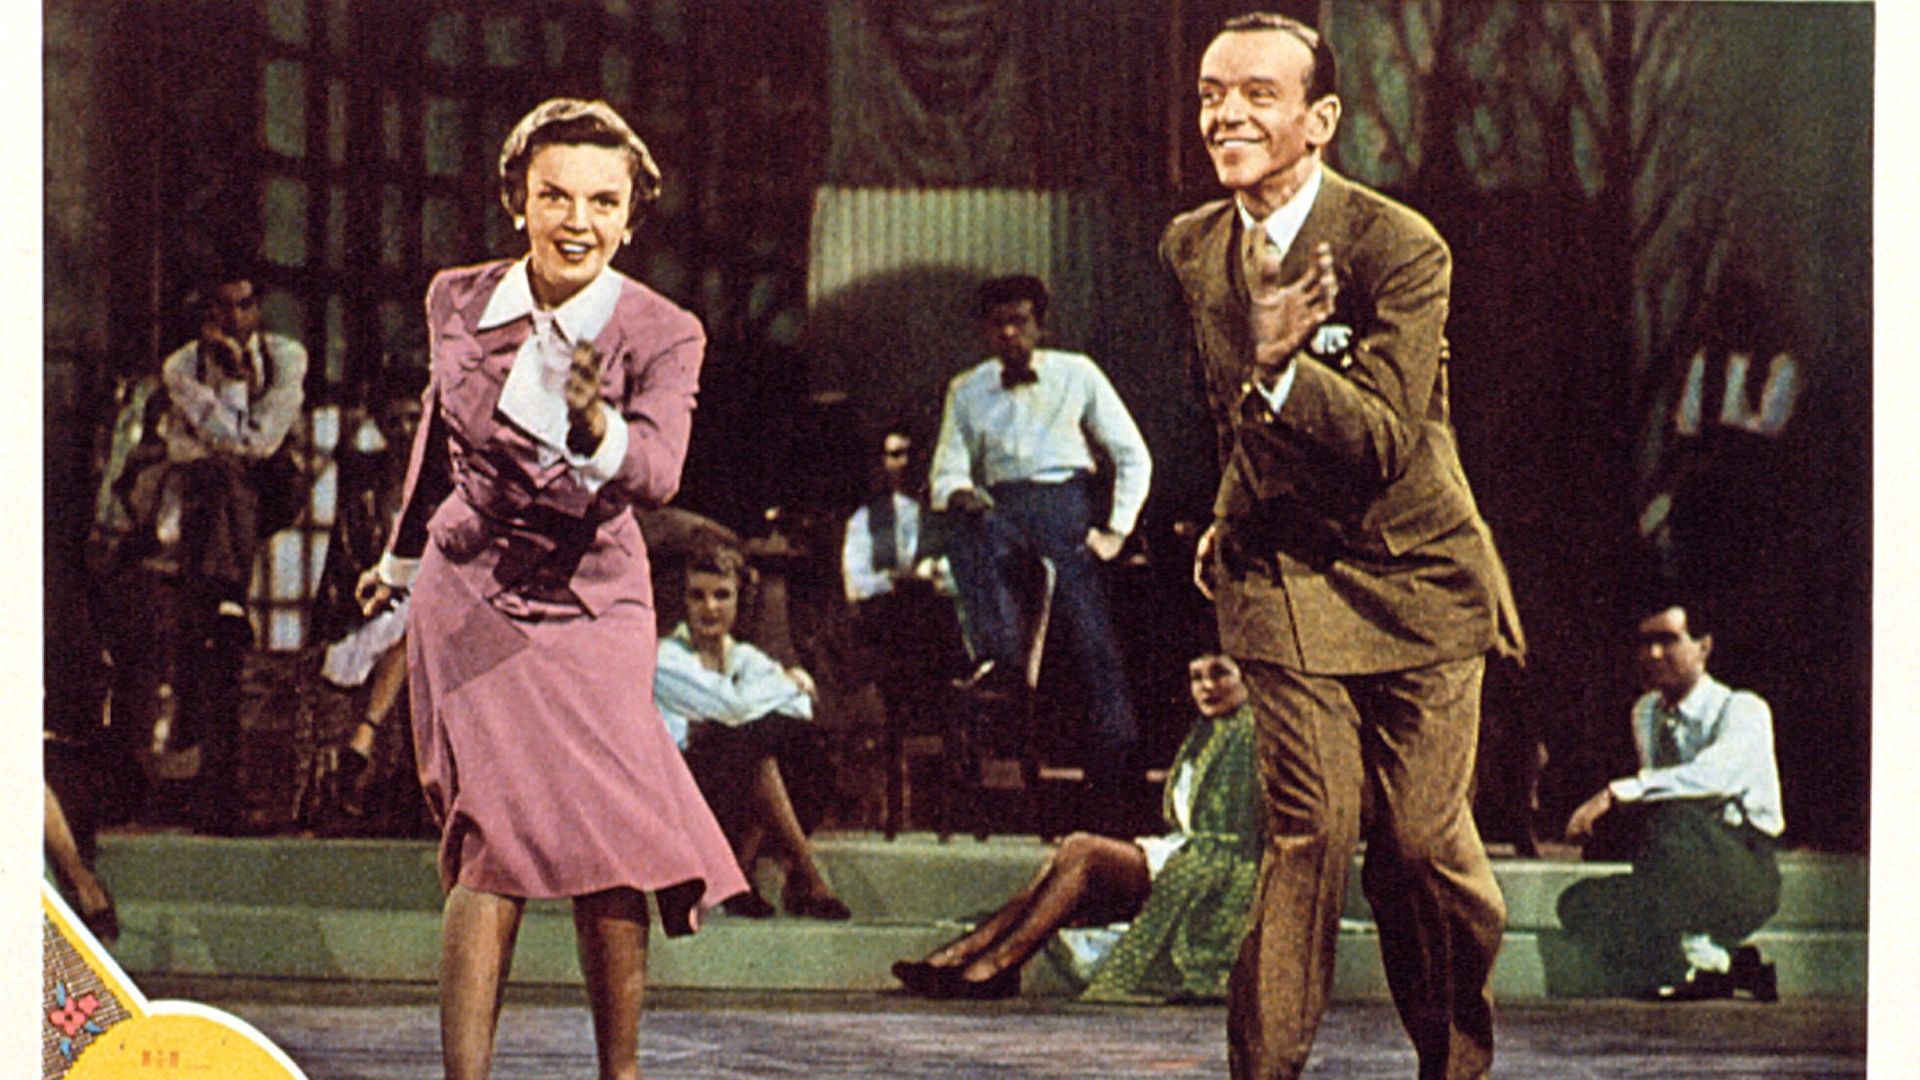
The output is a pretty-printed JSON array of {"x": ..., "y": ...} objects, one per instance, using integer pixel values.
[{"x": 197, "y": 475}]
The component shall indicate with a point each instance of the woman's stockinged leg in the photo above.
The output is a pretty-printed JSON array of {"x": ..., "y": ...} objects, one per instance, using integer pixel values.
[
  {"x": 961, "y": 951},
  {"x": 610, "y": 929},
  {"x": 1092, "y": 874},
  {"x": 777, "y": 816},
  {"x": 1088, "y": 875},
  {"x": 477, "y": 932}
]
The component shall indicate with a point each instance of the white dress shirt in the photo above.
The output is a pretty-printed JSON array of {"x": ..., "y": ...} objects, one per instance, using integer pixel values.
[
  {"x": 1039, "y": 431},
  {"x": 863, "y": 581},
  {"x": 1725, "y": 741},
  {"x": 217, "y": 415}
]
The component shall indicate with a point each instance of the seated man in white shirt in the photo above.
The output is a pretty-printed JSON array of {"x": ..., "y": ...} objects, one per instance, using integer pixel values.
[
  {"x": 734, "y": 711},
  {"x": 1014, "y": 463},
  {"x": 235, "y": 394},
  {"x": 229, "y": 479},
  {"x": 894, "y": 574},
  {"x": 1706, "y": 805}
]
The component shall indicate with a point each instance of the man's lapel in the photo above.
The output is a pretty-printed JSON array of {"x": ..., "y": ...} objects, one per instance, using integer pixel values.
[{"x": 1329, "y": 222}]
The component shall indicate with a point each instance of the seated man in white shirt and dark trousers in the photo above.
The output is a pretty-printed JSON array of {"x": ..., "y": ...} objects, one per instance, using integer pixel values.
[
  {"x": 1014, "y": 465},
  {"x": 1706, "y": 804}
]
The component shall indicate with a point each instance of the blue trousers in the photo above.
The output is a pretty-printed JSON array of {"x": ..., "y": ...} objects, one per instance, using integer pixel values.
[{"x": 989, "y": 552}]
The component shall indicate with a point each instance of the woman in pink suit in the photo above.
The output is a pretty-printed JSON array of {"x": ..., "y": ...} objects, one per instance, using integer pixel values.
[{"x": 561, "y": 396}]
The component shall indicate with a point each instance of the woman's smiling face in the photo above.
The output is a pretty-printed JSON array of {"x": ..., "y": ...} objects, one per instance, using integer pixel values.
[{"x": 579, "y": 201}]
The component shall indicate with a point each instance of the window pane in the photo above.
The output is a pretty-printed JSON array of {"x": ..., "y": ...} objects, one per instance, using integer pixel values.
[
  {"x": 336, "y": 228},
  {"x": 336, "y": 341},
  {"x": 287, "y": 21},
  {"x": 284, "y": 88},
  {"x": 283, "y": 313},
  {"x": 447, "y": 38},
  {"x": 502, "y": 240},
  {"x": 439, "y": 232},
  {"x": 393, "y": 230},
  {"x": 554, "y": 38},
  {"x": 440, "y": 131},
  {"x": 505, "y": 37},
  {"x": 283, "y": 214},
  {"x": 339, "y": 25},
  {"x": 616, "y": 75},
  {"x": 391, "y": 138},
  {"x": 396, "y": 324},
  {"x": 336, "y": 121}
]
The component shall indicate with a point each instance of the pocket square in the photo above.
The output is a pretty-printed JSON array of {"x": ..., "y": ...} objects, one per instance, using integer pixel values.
[{"x": 1331, "y": 339}]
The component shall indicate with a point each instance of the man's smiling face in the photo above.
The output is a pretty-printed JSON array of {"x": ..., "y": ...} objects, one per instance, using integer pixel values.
[{"x": 1260, "y": 130}]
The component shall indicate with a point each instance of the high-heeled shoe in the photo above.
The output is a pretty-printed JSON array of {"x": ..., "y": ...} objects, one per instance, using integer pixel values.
[
  {"x": 747, "y": 905},
  {"x": 921, "y": 978},
  {"x": 810, "y": 905},
  {"x": 1004, "y": 983}
]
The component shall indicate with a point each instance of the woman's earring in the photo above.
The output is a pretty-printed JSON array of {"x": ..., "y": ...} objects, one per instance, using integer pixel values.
[
  {"x": 519, "y": 223},
  {"x": 626, "y": 238}
]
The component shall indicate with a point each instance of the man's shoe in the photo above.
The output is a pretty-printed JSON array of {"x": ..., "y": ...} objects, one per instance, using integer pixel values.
[
  {"x": 1754, "y": 977},
  {"x": 974, "y": 678},
  {"x": 991, "y": 683},
  {"x": 1697, "y": 986}
]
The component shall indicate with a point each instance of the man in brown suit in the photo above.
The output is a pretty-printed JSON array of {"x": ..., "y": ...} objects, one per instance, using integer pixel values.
[{"x": 1352, "y": 575}]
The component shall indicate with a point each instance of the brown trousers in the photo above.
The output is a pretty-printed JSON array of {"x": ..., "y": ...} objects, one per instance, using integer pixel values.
[{"x": 1400, "y": 746}]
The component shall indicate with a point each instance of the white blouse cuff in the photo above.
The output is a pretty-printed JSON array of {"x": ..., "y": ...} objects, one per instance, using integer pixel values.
[{"x": 598, "y": 468}]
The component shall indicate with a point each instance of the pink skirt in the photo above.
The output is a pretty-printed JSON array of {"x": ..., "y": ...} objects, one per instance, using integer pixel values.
[{"x": 545, "y": 761}]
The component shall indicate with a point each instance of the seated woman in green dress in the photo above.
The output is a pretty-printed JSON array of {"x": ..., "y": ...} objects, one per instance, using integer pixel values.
[{"x": 1188, "y": 893}]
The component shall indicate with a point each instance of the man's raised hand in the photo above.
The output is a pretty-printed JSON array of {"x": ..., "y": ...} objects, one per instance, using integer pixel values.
[{"x": 1284, "y": 315}]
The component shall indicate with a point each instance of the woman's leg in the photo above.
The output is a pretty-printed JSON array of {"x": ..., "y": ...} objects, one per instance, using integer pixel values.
[
  {"x": 1087, "y": 876},
  {"x": 611, "y": 930},
  {"x": 1091, "y": 877},
  {"x": 777, "y": 816},
  {"x": 477, "y": 931}
]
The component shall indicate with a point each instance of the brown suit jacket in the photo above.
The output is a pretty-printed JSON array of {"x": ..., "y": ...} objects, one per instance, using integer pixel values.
[{"x": 1349, "y": 540}]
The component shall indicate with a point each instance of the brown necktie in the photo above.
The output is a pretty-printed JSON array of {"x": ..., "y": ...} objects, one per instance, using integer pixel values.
[{"x": 1254, "y": 241}]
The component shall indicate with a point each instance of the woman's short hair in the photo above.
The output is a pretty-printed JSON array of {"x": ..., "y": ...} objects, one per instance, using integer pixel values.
[
  {"x": 572, "y": 122},
  {"x": 720, "y": 559}
]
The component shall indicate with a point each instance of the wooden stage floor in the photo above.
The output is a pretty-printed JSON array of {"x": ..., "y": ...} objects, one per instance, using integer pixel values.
[{"x": 389, "y": 1032}]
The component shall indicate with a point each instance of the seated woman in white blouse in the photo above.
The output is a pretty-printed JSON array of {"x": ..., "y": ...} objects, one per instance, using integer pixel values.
[{"x": 734, "y": 710}]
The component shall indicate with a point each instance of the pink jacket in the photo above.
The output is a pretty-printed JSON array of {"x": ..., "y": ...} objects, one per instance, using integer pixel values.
[{"x": 515, "y": 526}]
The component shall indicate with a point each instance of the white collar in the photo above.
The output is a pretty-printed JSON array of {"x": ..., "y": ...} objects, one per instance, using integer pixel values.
[
  {"x": 1034, "y": 363},
  {"x": 581, "y": 317},
  {"x": 1701, "y": 704},
  {"x": 1284, "y": 224}
]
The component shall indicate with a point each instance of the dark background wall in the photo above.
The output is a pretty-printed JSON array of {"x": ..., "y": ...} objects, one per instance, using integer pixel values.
[{"x": 1625, "y": 186}]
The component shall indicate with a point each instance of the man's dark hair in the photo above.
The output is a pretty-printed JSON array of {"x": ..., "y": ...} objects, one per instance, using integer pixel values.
[
  {"x": 1702, "y": 616},
  {"x": 893, "y": 426},
  {"x": 223, "y": 269},
  {"x": 1012, "y": 290},
  {"x": 1322, "y": 76}
]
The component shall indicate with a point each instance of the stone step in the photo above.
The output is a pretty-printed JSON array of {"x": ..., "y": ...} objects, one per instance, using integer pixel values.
[
  {"x": 368, "y": 910},
  {"x": 363, "y": 944},
  {"x": 915, "y": 877}
]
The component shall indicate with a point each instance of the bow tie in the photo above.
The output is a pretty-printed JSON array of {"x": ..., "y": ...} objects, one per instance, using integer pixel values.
[{"x": 1011, "y": 377}]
